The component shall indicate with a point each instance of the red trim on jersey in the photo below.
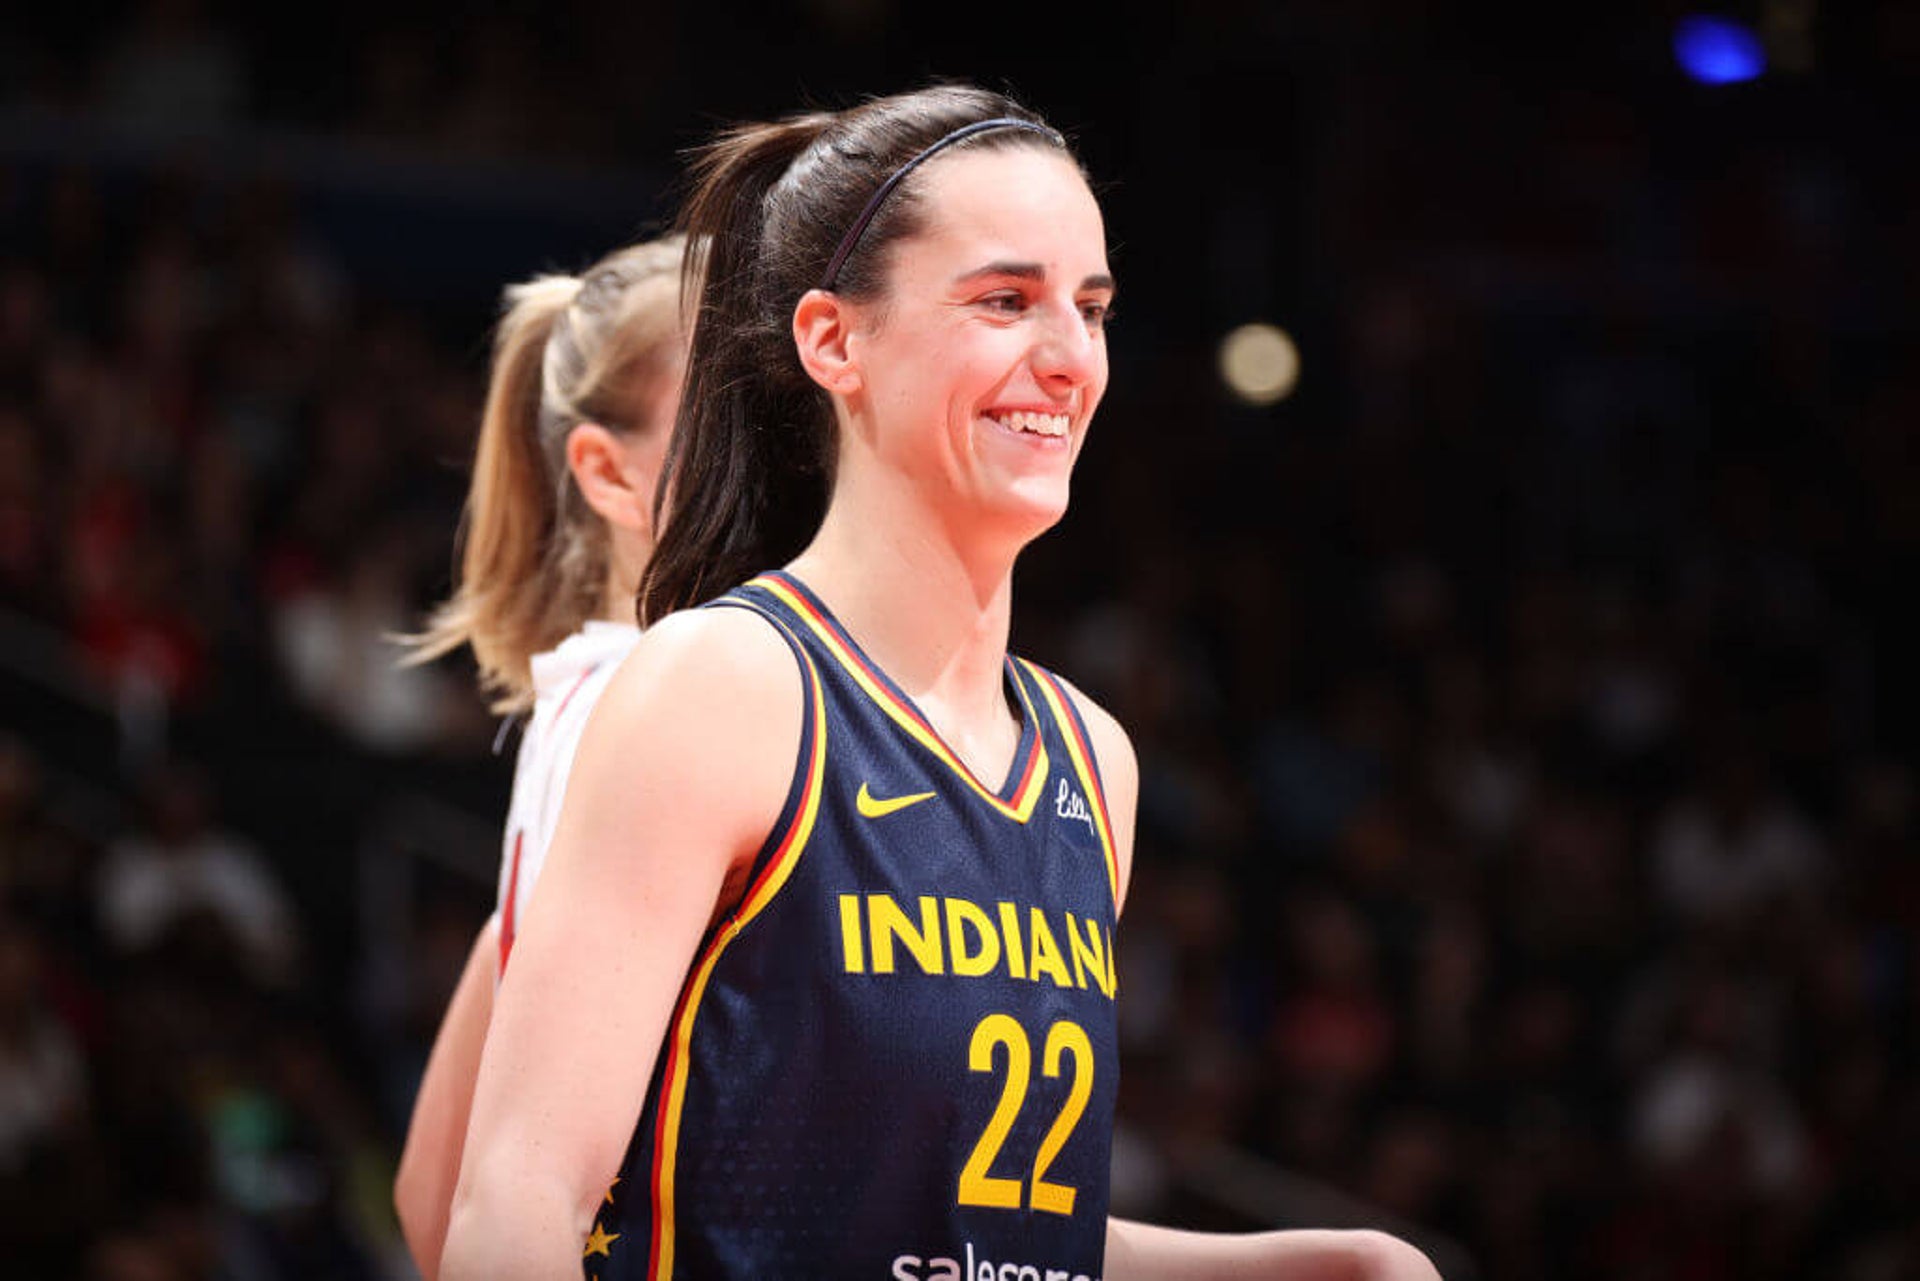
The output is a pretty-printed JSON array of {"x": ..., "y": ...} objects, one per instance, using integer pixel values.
[
  {"x": 509, "y": 904},
  {"x": 1035, "y": 757},
  {"x": 821, "y": 620},
  {"x": 562, "y": 709},
  {"x": 1081, "y": 749},
  {"x": 1018, "y": 802}
]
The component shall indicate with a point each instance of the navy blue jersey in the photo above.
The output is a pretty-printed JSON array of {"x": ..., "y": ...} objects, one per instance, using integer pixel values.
[{"x": 895, "y": 1058}]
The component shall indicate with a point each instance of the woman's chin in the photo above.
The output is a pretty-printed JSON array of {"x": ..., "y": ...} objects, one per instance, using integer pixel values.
[{"x": 1029, "y": 507}]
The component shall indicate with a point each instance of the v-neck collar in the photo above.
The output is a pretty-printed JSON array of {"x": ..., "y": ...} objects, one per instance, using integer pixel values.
[{"x": 1026, "y": 775}]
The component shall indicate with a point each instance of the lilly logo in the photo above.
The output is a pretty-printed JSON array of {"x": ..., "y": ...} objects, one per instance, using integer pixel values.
[{"x": 1069, "y": 804}]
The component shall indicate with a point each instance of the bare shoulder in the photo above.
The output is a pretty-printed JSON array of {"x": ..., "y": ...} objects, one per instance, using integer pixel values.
[
  {"x": 707, "y": 709},
  {"x": 1119, "y": 774},
  {"x": 698, "y": 653},
  {"x": 705, "y": 673}
]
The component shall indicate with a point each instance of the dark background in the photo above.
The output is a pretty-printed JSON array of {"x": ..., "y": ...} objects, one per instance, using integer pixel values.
[{"x": 1526, "y": 856}]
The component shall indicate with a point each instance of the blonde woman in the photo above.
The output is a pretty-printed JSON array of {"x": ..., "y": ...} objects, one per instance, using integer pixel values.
[{"x": 558, "y": 529}]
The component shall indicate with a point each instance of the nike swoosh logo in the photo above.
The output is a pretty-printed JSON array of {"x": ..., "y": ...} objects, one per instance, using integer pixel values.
[{"x": 871, "y": 806}]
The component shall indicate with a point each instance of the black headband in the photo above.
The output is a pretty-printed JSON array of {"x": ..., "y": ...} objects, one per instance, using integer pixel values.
[{"x": 852, "y": 238}]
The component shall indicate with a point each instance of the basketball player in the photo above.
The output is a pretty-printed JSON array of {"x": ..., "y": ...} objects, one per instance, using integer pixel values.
[
  {"x": 820, "y": 981},
  {"x": 586, "y": 376}
]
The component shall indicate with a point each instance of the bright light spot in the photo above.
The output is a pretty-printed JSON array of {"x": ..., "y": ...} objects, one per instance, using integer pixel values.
[
  {"x": 1718, "y": 51},
  {"x": 1259, "y": 363}
]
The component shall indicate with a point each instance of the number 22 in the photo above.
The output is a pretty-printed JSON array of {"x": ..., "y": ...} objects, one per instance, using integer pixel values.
[{"x": 977, "y": 1187}]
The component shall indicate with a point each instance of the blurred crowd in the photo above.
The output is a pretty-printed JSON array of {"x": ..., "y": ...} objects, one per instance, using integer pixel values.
[{"x": 1527, "y": 839}]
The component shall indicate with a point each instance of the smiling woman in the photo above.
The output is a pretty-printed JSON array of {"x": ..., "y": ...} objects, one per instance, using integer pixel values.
[
  {"x": 993, "y": 330},
  {"x": 811, "y": 210},
  {"x": 820, "y": 979}
]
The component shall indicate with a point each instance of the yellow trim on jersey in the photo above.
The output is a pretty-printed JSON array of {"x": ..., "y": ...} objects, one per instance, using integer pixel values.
[
  {"x": 674, "y": 1091},
  {"x": 1022, "y": 805},
  {"x": 1081, "y": 753}
]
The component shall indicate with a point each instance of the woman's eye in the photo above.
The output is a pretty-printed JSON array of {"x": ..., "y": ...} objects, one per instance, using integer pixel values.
[
  {"x": 1098, "y": 315},
  {"x": 1007, "y": 304}
]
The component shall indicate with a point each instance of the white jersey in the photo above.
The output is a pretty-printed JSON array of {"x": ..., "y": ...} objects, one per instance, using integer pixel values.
[{"x": 567, "y": 681}]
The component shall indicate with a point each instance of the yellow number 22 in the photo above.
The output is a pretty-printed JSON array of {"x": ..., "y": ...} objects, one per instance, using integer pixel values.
[{"x": 977, "y": 1187}]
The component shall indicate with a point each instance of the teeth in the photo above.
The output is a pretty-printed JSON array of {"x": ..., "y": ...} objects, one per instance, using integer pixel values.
[{"x": 1038, "y": 424}]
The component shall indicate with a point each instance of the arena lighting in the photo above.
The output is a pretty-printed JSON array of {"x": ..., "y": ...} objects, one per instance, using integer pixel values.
[
  {"x": 1718, "y": 51},
  {"x": 1259, "y": 363}
]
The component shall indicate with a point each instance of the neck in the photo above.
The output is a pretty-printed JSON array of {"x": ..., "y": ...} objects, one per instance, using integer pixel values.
[
  {"x": 627, "y": 555},
  {"x": 931, "y": 611}
]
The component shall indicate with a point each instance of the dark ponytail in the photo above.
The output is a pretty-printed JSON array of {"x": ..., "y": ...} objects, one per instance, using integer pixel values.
[
  {"x": 744, "y": 469},
  {"x": 750, "y": 466}
]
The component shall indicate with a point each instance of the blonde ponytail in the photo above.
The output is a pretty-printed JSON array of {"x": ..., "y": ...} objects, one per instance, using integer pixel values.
[{"x": 532, "y": 556}]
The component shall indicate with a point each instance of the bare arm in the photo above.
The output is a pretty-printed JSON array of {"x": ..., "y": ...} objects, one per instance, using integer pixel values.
[
  {"x": 1139, "y": 1252},
  {"x": 430, "y": 1161},
  {"x": 681, "y": 773}
]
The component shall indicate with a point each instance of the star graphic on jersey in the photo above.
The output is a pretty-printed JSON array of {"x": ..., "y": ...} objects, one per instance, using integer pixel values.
[
  {"x": 871, "y": 806},
  {"x": 611, "y": 1187},
  {"x": 599, "y": 1241}
]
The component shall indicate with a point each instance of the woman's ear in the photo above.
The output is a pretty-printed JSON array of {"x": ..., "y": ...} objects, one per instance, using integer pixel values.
[
  {"x": 822, "y": 325},
  {"x": 609, "y": 479}
]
